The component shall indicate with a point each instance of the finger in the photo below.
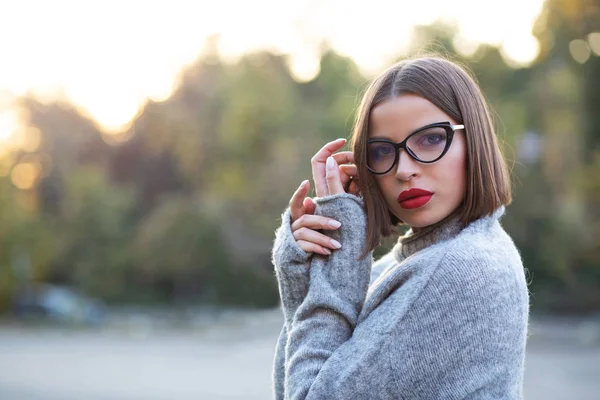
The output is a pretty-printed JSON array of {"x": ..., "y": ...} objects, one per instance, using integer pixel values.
[
  {"x": 297, "y": 201},
  {"x": 318, "y": 165},
  {"x": 328, "y": 150},
  {"x": 309, "y": 235},
  {"x": 310, "y": 247},
  {"x": 344, "y": 157},
  {"x": 309, "y": 206},
  {"x": 346, "y": 172},
  {"x": 349, "y": 169},
  {"x": 315, "y": 222},
  {"x": 334, "y": 184}
]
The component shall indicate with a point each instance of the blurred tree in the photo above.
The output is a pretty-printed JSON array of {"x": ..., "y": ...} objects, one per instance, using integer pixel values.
[
  {"x": 567, "y": 80},
  {"x": 186, "y": 207},
  {"x": 27, "y": 244},
  {"x": 181, "y": 250},
  {"x": 176, "y": 247},
  {"x": 93, "y": 229}
]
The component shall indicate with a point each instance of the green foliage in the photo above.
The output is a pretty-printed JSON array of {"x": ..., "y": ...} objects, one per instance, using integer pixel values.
[
  {"x": 27, "y": 244},
  {"x": 181, "y": 247},
  {"x": 93, "y": 229}
]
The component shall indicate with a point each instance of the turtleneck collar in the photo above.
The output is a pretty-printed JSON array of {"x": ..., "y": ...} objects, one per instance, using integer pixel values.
[{"x": 412, "y": 242}]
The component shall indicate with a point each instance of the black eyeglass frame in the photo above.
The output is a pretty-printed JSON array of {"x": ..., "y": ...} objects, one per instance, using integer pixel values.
[{"x": 448, "y": 127}]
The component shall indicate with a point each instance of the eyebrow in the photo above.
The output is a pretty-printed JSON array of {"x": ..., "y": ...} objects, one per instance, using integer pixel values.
[{"x": 416, "y": 130}]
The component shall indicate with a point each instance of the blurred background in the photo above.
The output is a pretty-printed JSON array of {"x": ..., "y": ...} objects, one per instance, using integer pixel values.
[{"x": 148, "y": 149}]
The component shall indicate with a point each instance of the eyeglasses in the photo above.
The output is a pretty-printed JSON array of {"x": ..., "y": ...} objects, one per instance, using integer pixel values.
[{"x": 426, "y": 145}]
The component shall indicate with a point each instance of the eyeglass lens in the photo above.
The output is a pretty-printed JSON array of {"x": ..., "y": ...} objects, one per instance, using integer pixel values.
[{"x": 426, "y": 145}]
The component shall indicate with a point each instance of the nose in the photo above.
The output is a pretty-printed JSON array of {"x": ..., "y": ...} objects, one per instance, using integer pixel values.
[{"x": 407, "y": 167}]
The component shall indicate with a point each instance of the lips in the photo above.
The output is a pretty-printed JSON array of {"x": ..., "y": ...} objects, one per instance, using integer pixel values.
[{"x": 414, "y": 198}]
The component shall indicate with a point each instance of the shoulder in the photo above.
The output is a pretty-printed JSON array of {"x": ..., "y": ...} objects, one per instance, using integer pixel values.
[
  {"x": 474, "y": 290},
  {"x": 469, "y": 323},
  {"x": 482, "y": 270},
  {"x": 482, "y": 253}
]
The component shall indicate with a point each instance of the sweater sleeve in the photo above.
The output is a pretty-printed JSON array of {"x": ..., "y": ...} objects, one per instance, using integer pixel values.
[
  {"x": 465, "y": 335},
  {"x": 292, "y": 265},
  {"x": 327, "y": 316},
  {"x": 278, "y": 373}
]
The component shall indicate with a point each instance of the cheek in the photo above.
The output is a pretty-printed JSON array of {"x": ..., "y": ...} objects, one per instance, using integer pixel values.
[
  {"x": 453, "y": 173},
  {"x": 387, "y": 188}
]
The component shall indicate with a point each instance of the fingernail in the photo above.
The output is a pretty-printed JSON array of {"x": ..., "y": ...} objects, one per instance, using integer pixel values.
[
  {"x": 330, "y": 162},
  {"x": 327, "y": 251},
  {"x": 335, "y": 243},
  {"x": 334, "y": 224},
  {"x": 304, "y": 183}
]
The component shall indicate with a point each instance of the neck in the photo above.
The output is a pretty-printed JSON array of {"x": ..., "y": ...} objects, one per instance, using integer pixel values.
[{"x": 418, "y": 238}]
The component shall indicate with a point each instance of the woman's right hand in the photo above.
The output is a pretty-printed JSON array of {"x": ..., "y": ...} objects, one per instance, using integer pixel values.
[{"x": 305, "y": 224}]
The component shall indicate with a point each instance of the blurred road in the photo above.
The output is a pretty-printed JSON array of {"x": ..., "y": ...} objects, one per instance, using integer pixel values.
[{"x": 230, "y": 359}]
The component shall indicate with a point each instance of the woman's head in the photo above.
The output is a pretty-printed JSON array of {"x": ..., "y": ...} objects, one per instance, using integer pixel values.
[{"x": 470, "y": 178}]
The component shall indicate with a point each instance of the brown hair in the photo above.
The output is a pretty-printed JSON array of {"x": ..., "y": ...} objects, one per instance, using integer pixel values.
[{"x": 450, "y": 88}]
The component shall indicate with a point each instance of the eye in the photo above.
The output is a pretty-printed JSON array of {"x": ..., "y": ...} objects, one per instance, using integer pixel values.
[
  {"x": 384, "y": 151},
  {"x": 428, "y": 139},
  {"x": 377, "y": 151},
  {"x": 432, "y": 139}
]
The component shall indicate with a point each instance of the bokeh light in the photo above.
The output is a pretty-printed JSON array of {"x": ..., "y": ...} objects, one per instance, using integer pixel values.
[
  {"x": 24, "y": 175},
  {"x": 580, "y": 51},
  {"x": 594, "y": 42}
]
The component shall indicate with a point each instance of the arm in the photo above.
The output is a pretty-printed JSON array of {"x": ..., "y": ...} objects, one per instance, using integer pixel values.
[
  {"x": 278, "y": 373},
  {"x": 292, "y": 266},
  {"x": 327, "y": 316},
  {"x": 290, "y": 256},
  {"x": 295, "y": 241}
]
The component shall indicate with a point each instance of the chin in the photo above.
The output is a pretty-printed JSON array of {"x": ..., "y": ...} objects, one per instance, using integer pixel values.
[
  {"x": 418, "y": 219},
  {"x": 418, "y": 224}
]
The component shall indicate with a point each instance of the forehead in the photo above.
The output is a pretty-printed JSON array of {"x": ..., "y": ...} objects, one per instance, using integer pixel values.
[{"x": 397, "y": 117}]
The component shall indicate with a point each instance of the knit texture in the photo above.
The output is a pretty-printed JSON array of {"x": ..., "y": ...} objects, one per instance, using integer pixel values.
[{"x": 443, "y": 315}]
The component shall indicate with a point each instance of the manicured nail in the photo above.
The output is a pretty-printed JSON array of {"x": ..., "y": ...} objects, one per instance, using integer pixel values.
[
  {"x": 335, "y": 243},
  {"x": 330, "y": 162},
  {"x": 334, "y": 224},
  {"x": 327, "y": 251}
]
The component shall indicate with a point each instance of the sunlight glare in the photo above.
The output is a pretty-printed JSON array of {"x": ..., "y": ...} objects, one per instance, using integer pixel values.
[
  {"x": 464, "y": 46},
  {"x": 9, "y": 124},
  {"x": 109, "y": 58},
  {"x": 305, "y": 65},
  {"x": 518, "y": 49}
]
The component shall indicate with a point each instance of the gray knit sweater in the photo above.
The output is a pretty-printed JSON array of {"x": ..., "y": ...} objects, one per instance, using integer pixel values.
[{"x": 442, "y": 316}]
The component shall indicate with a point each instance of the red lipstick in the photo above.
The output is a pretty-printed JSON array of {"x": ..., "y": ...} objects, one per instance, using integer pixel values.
[{"x": 414, "y": 198}]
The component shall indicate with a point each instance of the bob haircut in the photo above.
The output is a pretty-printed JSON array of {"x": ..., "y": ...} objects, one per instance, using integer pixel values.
[{"x": 452, "y": 90}]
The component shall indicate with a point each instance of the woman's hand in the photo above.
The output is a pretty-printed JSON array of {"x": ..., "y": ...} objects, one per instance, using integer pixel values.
[
  {"x": 305, "y": 224},
  {"x": 332, "y": 181},
  {"x": 329, "y": 179}
]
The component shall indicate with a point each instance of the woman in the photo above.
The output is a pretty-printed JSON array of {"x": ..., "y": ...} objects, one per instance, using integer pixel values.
[{"x": 444, "y": 314}]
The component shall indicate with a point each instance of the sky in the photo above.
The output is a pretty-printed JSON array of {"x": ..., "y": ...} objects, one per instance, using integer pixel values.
[{"x": 109, "y": 56}]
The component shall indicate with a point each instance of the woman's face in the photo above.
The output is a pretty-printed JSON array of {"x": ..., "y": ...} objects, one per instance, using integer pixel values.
[{"x": 395, "y": 119}]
